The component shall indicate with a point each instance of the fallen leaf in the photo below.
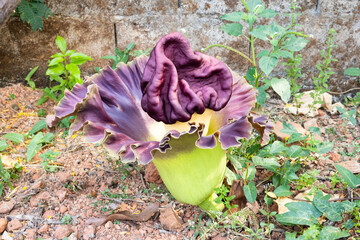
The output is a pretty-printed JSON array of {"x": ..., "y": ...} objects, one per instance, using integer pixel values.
[
  {"x": 169, "y": 219},
  {"x": 240, "y": 199},
  {"x": 145, "y": 215},
  {"x": 353, "y": 166}
]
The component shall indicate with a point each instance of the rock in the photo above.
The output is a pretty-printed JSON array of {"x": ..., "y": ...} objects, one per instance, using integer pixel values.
[
  {"x": 34, "y": 201},
  {"x": 109, "y": 225},
  {"x": 279, "y": 126},
  {"x": 72, "y": 237},
  {"x": 64, "y": 176},
  {"x": 61, "y": 194},
  {"x": 3, "y": 224},
  {"x": 63, "y": 209},
  {"x": 335, "y": 157},
  {"x": 151, "y": 174},
  {"x": 48, "y": 214},
  {"x": 6, "y": 236},
  {"x": 62, "y": 231},
  {"x": 89, "y": 232},
  {"x": 30, "y": 234},
  {"x": 13, "y": 225},
  {"x": 36, "y": 176},
  {"x": 128, "y": 191},
  {"x": 6, "y": 207},
  {"x": 44, "y": 229},
  {"x": 310, "y": 123},
  {"x": 169, "y": 219}
]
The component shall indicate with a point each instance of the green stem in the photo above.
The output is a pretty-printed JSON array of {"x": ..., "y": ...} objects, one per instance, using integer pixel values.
[
  {"x": 295, "y": 33},
  {"x": 231, "y": 49},
  {"x": 211, "y": 207}
]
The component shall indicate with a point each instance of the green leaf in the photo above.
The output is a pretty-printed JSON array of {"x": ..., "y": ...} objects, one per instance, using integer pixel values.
[
  {"x": 352, "y": 71},
  {"x": 233, "y": 29},
  {"x": 268, "y": 163},
  {"x": 233, "y": 17},
  {"x": 61, "y": 43},
  {"x": 283, "y": 191},
  {"x": 250, "y": 192},
  {"x": 57, "y": 69},
  {"x": 348, "y": 176},
  {"x": 268, "y": 13},
  {"x": 301, "y": 213},
  {"x": 38, "y": 126},
  {"x": 3, "y": 145},
  {"x": 55, "y": 61},
  {"x": 263, "y": 53},
  {"x": 111, "y": 57},
  {"x": 277, "y": 147},
  {"x": 230, "y": 176},
  {"x": 34, "y": 146},
  {"x": 282, "y": 87},
  {"x": 250, "y": 172},
  {"x": 79, "y": 58},
  {"x": 48, "y": 137},
  {"x": 74, "y": 70},
  {"x": 261, "y": 97},
  {"x": 324, "y": 147},
  {"x": 250, "y": 76},
  {"x": 332, "y": 233},
  {"x": 333, "y": 211},
  {"x": 294, "y": 43},
  {"x": 267, "y": 64},
  {"x": 260, "y": 32},
  {"x": 288, "y": 128},
  {"x": 304, "y": 206},
  {"x": 253, "y": 5},
  {"x": 29, "y": 75},
  {"x": 283, "y": 54},
  {"x": 294, "y": 151},
  {"x": 14, "y": 137},
  {"x": 129, "y": 47}
]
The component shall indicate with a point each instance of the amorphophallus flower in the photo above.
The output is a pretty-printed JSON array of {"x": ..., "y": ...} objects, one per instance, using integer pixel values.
[{"x": 178, "y": 108}]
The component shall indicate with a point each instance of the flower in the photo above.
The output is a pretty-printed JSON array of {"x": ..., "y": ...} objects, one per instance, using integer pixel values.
[{"x": 178, "y": 108}]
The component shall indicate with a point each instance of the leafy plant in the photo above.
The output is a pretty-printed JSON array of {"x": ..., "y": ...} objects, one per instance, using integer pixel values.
[
  {"x": 352, "y": 71},
  {"x": 120, "y": 56},
  {"x": 28, "y": 77},
  {"x": 64, "y": 69},
  {"x": 48, "y": 159},
  {"x": 6, "y": 175},
  {"x": 33, "y": 12},
  {"x": 67, "y": 219},
  {"x": 283, "y": 40},
  {"x": 223, "y": 197},
  {"x": 349, "y": 115},
  {"x": 325, "y": 71}
]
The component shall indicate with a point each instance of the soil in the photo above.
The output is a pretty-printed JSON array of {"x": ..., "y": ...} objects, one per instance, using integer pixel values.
[{"x": 84, "y": 182}]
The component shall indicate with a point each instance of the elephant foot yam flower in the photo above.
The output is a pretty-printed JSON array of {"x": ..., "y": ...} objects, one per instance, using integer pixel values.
[{"x": 178, "y": 108}]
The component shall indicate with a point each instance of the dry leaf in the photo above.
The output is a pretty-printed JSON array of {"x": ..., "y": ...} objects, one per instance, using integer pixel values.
[
  {"x": 125, "y": 215},
  {"x": 240, "y": 199}
]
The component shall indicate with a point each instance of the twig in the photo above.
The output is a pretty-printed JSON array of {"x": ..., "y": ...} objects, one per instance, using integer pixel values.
[{"x": 120, "y": 200}]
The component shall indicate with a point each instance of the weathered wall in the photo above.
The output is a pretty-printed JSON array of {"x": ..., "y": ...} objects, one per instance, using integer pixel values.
[{"x": 89, "y": 27}]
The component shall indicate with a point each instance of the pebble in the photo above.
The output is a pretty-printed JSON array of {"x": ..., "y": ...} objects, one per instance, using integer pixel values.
[
  {"x": 61, "y": 194},
  {"x": 89, "y": 232},
  {"x": 6, "y": 236},
  {"x": 6, "y": 207},
  {"x": 13, "y": 225},
  {"x": 63, "y": 209},
  {"x": 3, "y": 224},
  {"x": 109, "y": 225},
  {"x": 49, "y": 214},
  {"x": 62, "y": 231},
  {"x": 30, "y": 234},
  {"x": 44, "y": 229}
]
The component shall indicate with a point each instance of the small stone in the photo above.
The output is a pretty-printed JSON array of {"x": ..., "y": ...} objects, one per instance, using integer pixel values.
[
  {"x": 3, "y": 224},
  {"x": 6, "y": 236},
  {"x": 169, "y": 219},
  {"x": 335, "y": 157},
  {"x": 151, "y": 174},
  {"x": 49, "y": 214},
  {"x": 63, "y": 209},
  {"x": 6, "y": 207},
  {"x": 72, "y": 237},
  {"x": 321, "y": 113},
  {"x": 128, "y": 191},
  {"x": 61, "y": 194},
  {"x": 89, "y": 232},
  {"x": 64, "y": 176},
  {"x": 62, "y": 231},
  {"x": 36, "y": 176},
  {"x": 30, "y": 234},
  {"x": 34, "y": 201},
  {"x": 109, "y": 225},
  {"x": 13, "y": 225},
  {"x": 44, "y": 229},
  {"x": 310, "y": 123}
]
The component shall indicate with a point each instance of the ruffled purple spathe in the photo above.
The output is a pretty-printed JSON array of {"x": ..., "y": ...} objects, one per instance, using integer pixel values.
[{"x": 131, "y": 109}]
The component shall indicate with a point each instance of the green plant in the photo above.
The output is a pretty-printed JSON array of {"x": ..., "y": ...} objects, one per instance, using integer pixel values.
[
  {"x": 12, "y": 96},
  {"x": 352, "y": 71},
  {"x": 223, "y": 197},
  {"x": 41, "y": 113},
  {"x": 48, "y": 159},
  {"x": 64, "y": 69},
  {"x": 33, "y": 12},
  {"x": 28, "y": 77},
  {"x": 349, "y": 115},
  {"x": 6, "y": 175},
  {"x": 307, "y": 180},
  {"x": 284, "y": 41},
  {"x": 325, "y": 71},
  {"x": 267, "y": 225},
  {"x": 120, "y": 56},
  {"x": 67, "y": 219}
]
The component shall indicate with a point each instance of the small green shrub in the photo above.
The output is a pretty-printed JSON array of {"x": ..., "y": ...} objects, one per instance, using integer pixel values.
[{"x": 33, "y": 12}]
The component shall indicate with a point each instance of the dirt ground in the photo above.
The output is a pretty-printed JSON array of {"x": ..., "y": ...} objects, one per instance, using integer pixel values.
[{"x": 83, "y": 183}]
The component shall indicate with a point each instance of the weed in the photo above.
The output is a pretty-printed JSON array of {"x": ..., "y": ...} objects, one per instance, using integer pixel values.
[
  {"x": 33, "y": 12},
  {"x": 48, "y": 159},
  {"x": 41, "y": 113},
  {"x": 64, "y": 69},
  {"x": 67, "y": 219},
  {"x": 223, "y": 197},
  {"x": 7, "y": 174},
  {"x": 12, "y": 96}
]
